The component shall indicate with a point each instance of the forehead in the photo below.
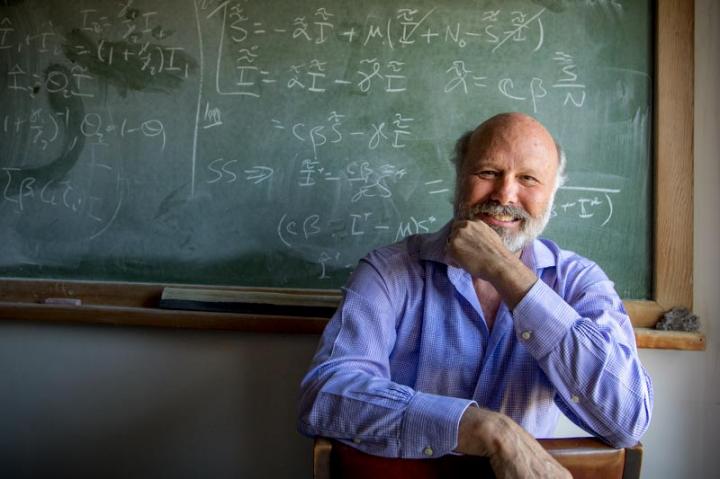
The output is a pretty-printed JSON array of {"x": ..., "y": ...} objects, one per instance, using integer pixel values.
[{"x": 513, "y": 144}]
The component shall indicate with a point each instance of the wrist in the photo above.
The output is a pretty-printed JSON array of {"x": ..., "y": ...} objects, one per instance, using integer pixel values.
[
  {"x": 478, "y": 433},
  {"x": 514, "y": 281}
]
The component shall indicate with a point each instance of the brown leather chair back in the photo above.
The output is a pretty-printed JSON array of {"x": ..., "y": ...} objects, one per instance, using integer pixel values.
[{"x": 585, "y": 458}]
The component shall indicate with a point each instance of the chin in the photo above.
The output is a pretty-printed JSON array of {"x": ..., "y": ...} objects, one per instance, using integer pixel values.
[{"x": 517, "y": 243}]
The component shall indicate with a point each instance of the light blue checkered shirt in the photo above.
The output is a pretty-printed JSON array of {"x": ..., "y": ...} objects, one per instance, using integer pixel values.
[{"x": 408, "y": 350}]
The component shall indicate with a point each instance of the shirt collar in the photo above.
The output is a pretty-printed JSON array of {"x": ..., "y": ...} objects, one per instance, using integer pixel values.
[
  {"x": 433, "y": 246},
  {"x": 536, "y": 256}
]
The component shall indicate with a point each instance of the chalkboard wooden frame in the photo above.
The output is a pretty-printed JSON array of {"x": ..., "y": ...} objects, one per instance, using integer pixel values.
[{"x": 135, "y": 304}]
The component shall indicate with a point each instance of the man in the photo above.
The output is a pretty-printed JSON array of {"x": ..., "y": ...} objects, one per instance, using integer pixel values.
[{"x": 473, "y": 339}]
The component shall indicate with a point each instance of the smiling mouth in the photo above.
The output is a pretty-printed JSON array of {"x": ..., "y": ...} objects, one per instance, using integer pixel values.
[
  {"x": 504, "y": 218},
  {"x": 496, "y": 215},
  {"x": 499, "y": 218}
]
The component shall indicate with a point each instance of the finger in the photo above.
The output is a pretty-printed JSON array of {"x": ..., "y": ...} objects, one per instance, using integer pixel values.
[{"x": 480, "y": 224}]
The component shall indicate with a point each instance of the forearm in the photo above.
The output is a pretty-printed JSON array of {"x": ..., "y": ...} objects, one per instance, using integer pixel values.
[
  {"x": 607, "y": 391},
  {"x": 379, "y": 416},
  {"x": 586, "y": 350}
]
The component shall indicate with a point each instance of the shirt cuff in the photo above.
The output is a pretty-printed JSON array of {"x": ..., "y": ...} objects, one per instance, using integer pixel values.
[
  {"x": 542, "y": 318},
  {"x": 430, "y": 426}
]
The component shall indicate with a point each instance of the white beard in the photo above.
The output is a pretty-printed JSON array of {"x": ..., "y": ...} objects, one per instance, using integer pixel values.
[{"x": 531, "y": 227}]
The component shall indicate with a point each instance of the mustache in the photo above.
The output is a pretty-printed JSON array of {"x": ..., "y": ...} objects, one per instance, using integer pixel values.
[{"x": 492, "y": 207}]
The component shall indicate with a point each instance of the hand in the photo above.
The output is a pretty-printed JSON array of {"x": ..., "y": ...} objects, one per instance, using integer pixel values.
[
  {"x": 479, "y": 250},
  {"x": 513, "y": 453}
]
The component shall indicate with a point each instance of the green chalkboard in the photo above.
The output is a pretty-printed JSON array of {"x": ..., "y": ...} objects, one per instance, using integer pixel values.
[{"x": 273, "y": 143}]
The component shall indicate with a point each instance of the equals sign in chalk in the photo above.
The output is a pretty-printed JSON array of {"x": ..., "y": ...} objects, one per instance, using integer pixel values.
[{"x": 63, "y": 301}]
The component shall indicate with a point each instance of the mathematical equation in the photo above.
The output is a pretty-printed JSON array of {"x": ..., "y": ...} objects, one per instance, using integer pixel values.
[
  {"x": 136, "y": 36},
  {"x": 412, "y": 28},
  {"x": 586, "y": 203},
  {"x": 32, "y": 192},
  {"x": 50, "y": 127},
  {"x": 406, "y": 28},
  {"x": 304, "y": 232},
  {"x": 307, "y": 230}
]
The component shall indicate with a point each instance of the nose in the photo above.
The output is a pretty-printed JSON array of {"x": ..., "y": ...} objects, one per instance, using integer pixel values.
[{"x": 505, "y": 191}]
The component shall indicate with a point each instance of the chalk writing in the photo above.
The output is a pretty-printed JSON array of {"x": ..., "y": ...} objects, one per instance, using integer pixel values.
[
  {"x": 587, "y": 203},
  {"x": 568, "y": 81},
  {"x": 394, "y": 132},
  {"x": 229, "y": 171},
  {"x": 30, "y": 194},
  {"x": 414, "y": 226},
  {"x": 45, "y": 127}
]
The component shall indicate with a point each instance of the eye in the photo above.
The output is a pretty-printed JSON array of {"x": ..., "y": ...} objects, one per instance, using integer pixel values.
[
  {"x": 529, "y": 180},
  {"x": 486, "y": 174}
]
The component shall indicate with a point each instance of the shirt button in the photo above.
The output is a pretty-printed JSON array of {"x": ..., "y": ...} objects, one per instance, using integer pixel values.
[
  {"x": 526, "y": 335},
  {"x": 428, "y": 451},
  {"x": 575, "y": 398}
]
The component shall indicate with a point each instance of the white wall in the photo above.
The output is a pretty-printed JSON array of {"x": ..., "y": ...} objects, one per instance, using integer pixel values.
[{"x": 94, "y": 401}]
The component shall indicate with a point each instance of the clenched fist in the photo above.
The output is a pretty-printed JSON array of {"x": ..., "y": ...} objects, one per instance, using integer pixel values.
[{"x": 478, "y": 249}]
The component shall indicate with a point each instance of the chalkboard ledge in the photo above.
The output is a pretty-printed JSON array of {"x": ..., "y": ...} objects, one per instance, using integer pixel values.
[
  {"x": 648, "y": 338},
  {"x": 136, "y": 304},
  {"x": 165, "y": 318}
]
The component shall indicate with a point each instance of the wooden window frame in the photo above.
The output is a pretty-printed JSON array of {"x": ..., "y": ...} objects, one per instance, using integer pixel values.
[{"x": 136, "y": 303}]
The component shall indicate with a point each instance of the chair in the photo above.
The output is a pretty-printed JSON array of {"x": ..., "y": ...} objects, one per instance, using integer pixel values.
[{"x": 585, "y": 458}]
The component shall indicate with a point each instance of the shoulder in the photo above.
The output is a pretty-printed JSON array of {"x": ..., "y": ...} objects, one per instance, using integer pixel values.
[
  {"x": 567, "y": 268},
  {"x": 395, "y": 258},
  {"x": 400, "y": 265},
  {"x": 563, "y": 258},
  {"x": 387, "y": 276}
]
